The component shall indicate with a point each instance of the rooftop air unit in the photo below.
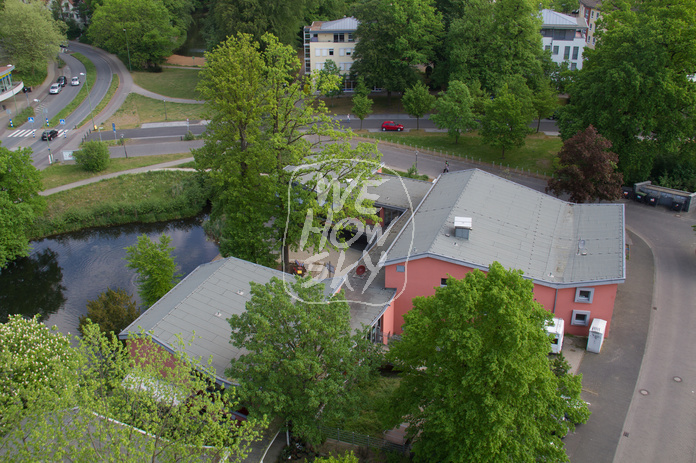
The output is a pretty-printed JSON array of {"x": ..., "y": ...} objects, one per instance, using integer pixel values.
[{"x": 462, "y": 227}]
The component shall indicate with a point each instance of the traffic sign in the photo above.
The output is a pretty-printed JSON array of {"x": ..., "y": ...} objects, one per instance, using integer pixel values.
[
  {"x": 113, "y": 127},
  {"x": 62, "y": 121},
  {"x": 11, "y": 123},
  {"x": 31, "y": 119},
  {"x": 46, "y": 122}
]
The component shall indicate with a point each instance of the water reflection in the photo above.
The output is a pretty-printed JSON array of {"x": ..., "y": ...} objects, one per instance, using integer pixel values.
[
  {"x": 88, "y": 262},
  {"x": 32, "y": 286}
]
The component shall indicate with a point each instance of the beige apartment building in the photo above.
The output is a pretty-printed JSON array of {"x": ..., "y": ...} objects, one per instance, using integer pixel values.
[
  {"x": 590, "y": 10},
  {"x": 330, "y": 40}
]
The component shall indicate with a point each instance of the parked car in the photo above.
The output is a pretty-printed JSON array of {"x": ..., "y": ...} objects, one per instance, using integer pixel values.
[
  {"x": 75, "y": 81},
  {"x": 391, "y": 125},
  {"x": 62, "y": 80},
  {"x": 55, "y": 88},
  {"x": 49, "y": 134}
]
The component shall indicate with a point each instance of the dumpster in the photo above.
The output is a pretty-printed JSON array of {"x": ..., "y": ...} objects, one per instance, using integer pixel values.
[
  {"x": 652, "y": 200},
  {"x": 639, "y": 197},
  {"x": 554, "y": 328},
  {"x": 596, "y": 337},
  {"x": 676, "y": 206}
]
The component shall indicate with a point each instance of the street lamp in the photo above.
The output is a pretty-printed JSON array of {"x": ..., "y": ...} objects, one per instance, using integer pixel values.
[
  {"x": 165, "y": 109},
  {"x": 128, "y": 48},
  {"x": 89, "y": 97}
]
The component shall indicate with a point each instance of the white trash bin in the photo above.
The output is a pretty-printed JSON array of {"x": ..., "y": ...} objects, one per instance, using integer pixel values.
[
  {"x": 596, "y": 337},
  {"x": 555, "y": 330}
]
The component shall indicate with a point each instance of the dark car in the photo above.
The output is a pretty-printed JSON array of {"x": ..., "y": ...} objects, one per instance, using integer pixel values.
[
  {"x": 391, "y": 125},
  {"x": 49, "y": 134},
  {"x": 62, "y": 80}
]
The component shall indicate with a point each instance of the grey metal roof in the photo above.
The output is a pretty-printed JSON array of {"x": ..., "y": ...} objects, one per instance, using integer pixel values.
[
  {"x": 399, "y": 192},
  {"x": 344, "y": 24},
  {"x": 550, "y": 240},
  {"x": 556, "y": 20},
  {"x": 201, "y": 303}
]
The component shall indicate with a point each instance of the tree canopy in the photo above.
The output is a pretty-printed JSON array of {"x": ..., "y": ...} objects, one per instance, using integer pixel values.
[
  {"x": 587, "y": 169},
  {"x": 112, "y": 311},
  {"x": 155, "y": 267},
  {"x": 418, "y": 101},
  {"x": 29, "y": 35},
  {"x": 635, "y": 87},
  {"x": 476, "y": 381},
  {"x": 303, "y": 359},
  {"x": 393, "y": 38},
  {"x": 20, "y": 202},
  {"x": 505, "y": 124},
  {"x": 96, "y": 402},
  {"x": 266, "y": 153},
  {"x": 454, "y": 110}
]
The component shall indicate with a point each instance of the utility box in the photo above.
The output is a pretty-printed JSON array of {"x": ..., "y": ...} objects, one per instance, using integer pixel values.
[
  {"x": 555, "y": 330},
  {"x": 596, "y": 337}
]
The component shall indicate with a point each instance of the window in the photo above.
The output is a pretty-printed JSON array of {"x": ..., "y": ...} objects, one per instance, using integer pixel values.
[
  {"x": 575, "y": 52},
  {"x": 592, "y": 15},
  {"x": 566, "y": 53},
  {"x": 555, "y": 49},
  {"x": 349, "y": 51},
  {"x": 592, "y": 40},
  {"x": 573, "y": 66},
  {"x": 580, "y": 318},
  {"x": 341, "y": 51},
  {"x": 401, "y": 268},
  {"x": 350, "y": 37},
  {"x": 584, "y": 295},
  {"x": 339, "y": 38},
  {"x": 323, "y": 52},
  {"x": 590, "y": 26},
  {"x": 317, "y": 51},
  {"x": 330, "y": 51},
  {"x": 443, "y": 282},
  {"x": 547, "y": 47}
]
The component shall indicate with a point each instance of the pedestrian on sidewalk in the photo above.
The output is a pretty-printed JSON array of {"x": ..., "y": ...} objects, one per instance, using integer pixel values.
[
  {"x": 446, "y": 167},
  {"x": 349, "y": 118}
]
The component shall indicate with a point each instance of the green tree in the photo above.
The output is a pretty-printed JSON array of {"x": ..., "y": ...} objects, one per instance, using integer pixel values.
[
  {"x": 505, "y": 124},
  {"x": 587, "y": 169},
  {"x": 20, "y": 202},
  {"x": 476, "y": 383},
  {"x": 392, "y": 39},
  {"x": 111, "y": 311},
  {"x": 149, "y": 35},
  {"x": 453, "y": 110},
  {"x": 303, "y": 362},
  {"x": 544, "y": 101},
  {"x": 155, "y": 267},
  {"x": 635, "y": 88},
  {"x": 362, "y": 104},
  {"x": 329, "y": 81},
  {"x": 95, "y": 402},
  {"x": 418, "y": 101},
  {"x": 346, "y": 458},
  {"x": 93, "y": 157},
  {"x": 29, "y": 36},
  {"x": 267, "y": 130}
]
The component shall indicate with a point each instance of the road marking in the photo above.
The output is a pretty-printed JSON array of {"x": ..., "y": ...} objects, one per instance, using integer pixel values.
[
  {"x": 20, "y": 133},
  {"x": 27, "y": 133}
]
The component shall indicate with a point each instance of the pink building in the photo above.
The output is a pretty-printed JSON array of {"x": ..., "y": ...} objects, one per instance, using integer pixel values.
[{"x": 574, "y": 253}]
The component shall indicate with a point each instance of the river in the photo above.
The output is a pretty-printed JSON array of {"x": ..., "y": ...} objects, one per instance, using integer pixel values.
[{"x": 62, "y": 273}]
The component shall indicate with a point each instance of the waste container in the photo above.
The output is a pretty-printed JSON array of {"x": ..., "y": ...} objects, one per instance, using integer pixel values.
[
  {"x": 555, "y": 330},
  {"x": 639, "y": 197},
  {"x": 596, "y": 337},
  {"x": 676, "y": 206},
  {"x": 651, "y": 200}
]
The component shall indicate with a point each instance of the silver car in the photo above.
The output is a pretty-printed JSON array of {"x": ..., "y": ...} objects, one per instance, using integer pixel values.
[
  {"x": 55, "y": 88},
  {"x": 75, "y": 81}
]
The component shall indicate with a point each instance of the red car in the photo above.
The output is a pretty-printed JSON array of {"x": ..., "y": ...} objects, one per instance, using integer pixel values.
[{"x": 391, "y": 125}]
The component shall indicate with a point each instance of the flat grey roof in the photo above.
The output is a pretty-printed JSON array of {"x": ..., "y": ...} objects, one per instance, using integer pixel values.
[
  {"x": 550, "y": 240},
  {"x": 396, "y": 191}
]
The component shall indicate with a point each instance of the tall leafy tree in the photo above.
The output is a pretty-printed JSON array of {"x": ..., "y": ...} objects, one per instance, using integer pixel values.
[
  {"x": 96, "y": 402},
  {"x": 29, "y": 36},
  {"x": 392, "y": 39},
  {"x": 453, "y": 110},
  {"x": 329, "y": 81},
  {"x": 362, "y": 104},
  {"x": 418, "y": 101},
  {"x": 266, "y": 156},
  {"x": 635, "y": 87},
  {"x": 505, "y": 124},
  {"x": 587, "y": 169},
  {"x": 155, "y": 267},
  {"x": 476, "y": 383},
  {"x": 544, "y": 101},
  {"x": 20, "y": 202},
  {"x": 149, "y": 35},
  {"x": 303, "y": 361},
  {"x": 112, "y": 311}
]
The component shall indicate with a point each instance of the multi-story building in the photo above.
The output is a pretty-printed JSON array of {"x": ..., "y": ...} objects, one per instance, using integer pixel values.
[
  {"x": 565, "y": 36},
  {"x": 330, "y": 40},
  {"x": 590, "y": 11}
]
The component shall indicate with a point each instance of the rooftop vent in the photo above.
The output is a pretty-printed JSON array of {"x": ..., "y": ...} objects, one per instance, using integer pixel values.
[{"x": 462, "y": 227}]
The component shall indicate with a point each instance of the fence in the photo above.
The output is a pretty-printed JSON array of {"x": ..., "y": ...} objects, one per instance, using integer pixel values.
[{"x": 353, "y": 438}]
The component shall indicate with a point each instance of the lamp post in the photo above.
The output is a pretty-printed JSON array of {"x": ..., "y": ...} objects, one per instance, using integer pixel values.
[
  {"x": 89, "y": 97},
  {"x": 14, "y": 95},
  {"x": 130, "y": 69},
  {"x": 124, "y": 146},
  {"x": 165, "y": 109}
]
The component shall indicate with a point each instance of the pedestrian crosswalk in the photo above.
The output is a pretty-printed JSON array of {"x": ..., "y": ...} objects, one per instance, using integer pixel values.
[{"x": 37, "y": 133}]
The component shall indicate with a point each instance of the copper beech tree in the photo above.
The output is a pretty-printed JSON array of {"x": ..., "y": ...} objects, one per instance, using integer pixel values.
[{"x": 587, "y": 170}]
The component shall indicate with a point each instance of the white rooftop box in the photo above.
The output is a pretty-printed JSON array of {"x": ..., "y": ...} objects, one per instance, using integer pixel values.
[
  {"x": 462, "y": 226},
  {"x": 555, "y": 328}
]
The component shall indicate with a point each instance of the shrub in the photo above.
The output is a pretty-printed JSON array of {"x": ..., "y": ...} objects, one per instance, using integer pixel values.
[
  {"x": 112, "y": 311},
  {"x": 93, "y": 157}
]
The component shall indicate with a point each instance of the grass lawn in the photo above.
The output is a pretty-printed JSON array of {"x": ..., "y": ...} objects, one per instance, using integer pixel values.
[
  {"x": 537, "y": 155},
  {"x": 62, "y": 174},
  {"x": 174, "y": 83},
  {"x": 138, "y": 109}
]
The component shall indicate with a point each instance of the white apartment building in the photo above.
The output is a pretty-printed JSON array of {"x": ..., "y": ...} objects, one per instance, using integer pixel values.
[
  {"x": 334, "y": 40},
  {"x": 565, "y": 36}
]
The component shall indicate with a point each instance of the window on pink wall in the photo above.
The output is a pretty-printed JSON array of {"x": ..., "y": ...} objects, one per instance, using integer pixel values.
[
  {"x": 580, "y": 318},
  {"x": 584, "y": 295}
]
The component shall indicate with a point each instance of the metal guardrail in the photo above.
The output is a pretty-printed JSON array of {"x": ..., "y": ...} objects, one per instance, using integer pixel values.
[{"x": 353, "y": 438}]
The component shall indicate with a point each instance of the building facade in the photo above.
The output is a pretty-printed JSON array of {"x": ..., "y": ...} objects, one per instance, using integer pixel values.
[
  {"x": 330, "y": 40},
  {"x": 590, "y": 11},
  {"x": 565, "y": 37}
]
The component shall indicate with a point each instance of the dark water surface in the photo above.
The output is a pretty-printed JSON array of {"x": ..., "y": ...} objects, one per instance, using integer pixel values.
[{"x": 62, "y": 273}]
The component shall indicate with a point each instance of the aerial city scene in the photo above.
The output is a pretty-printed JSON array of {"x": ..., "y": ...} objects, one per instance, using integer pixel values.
[{"x": 347, "y": 231}]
